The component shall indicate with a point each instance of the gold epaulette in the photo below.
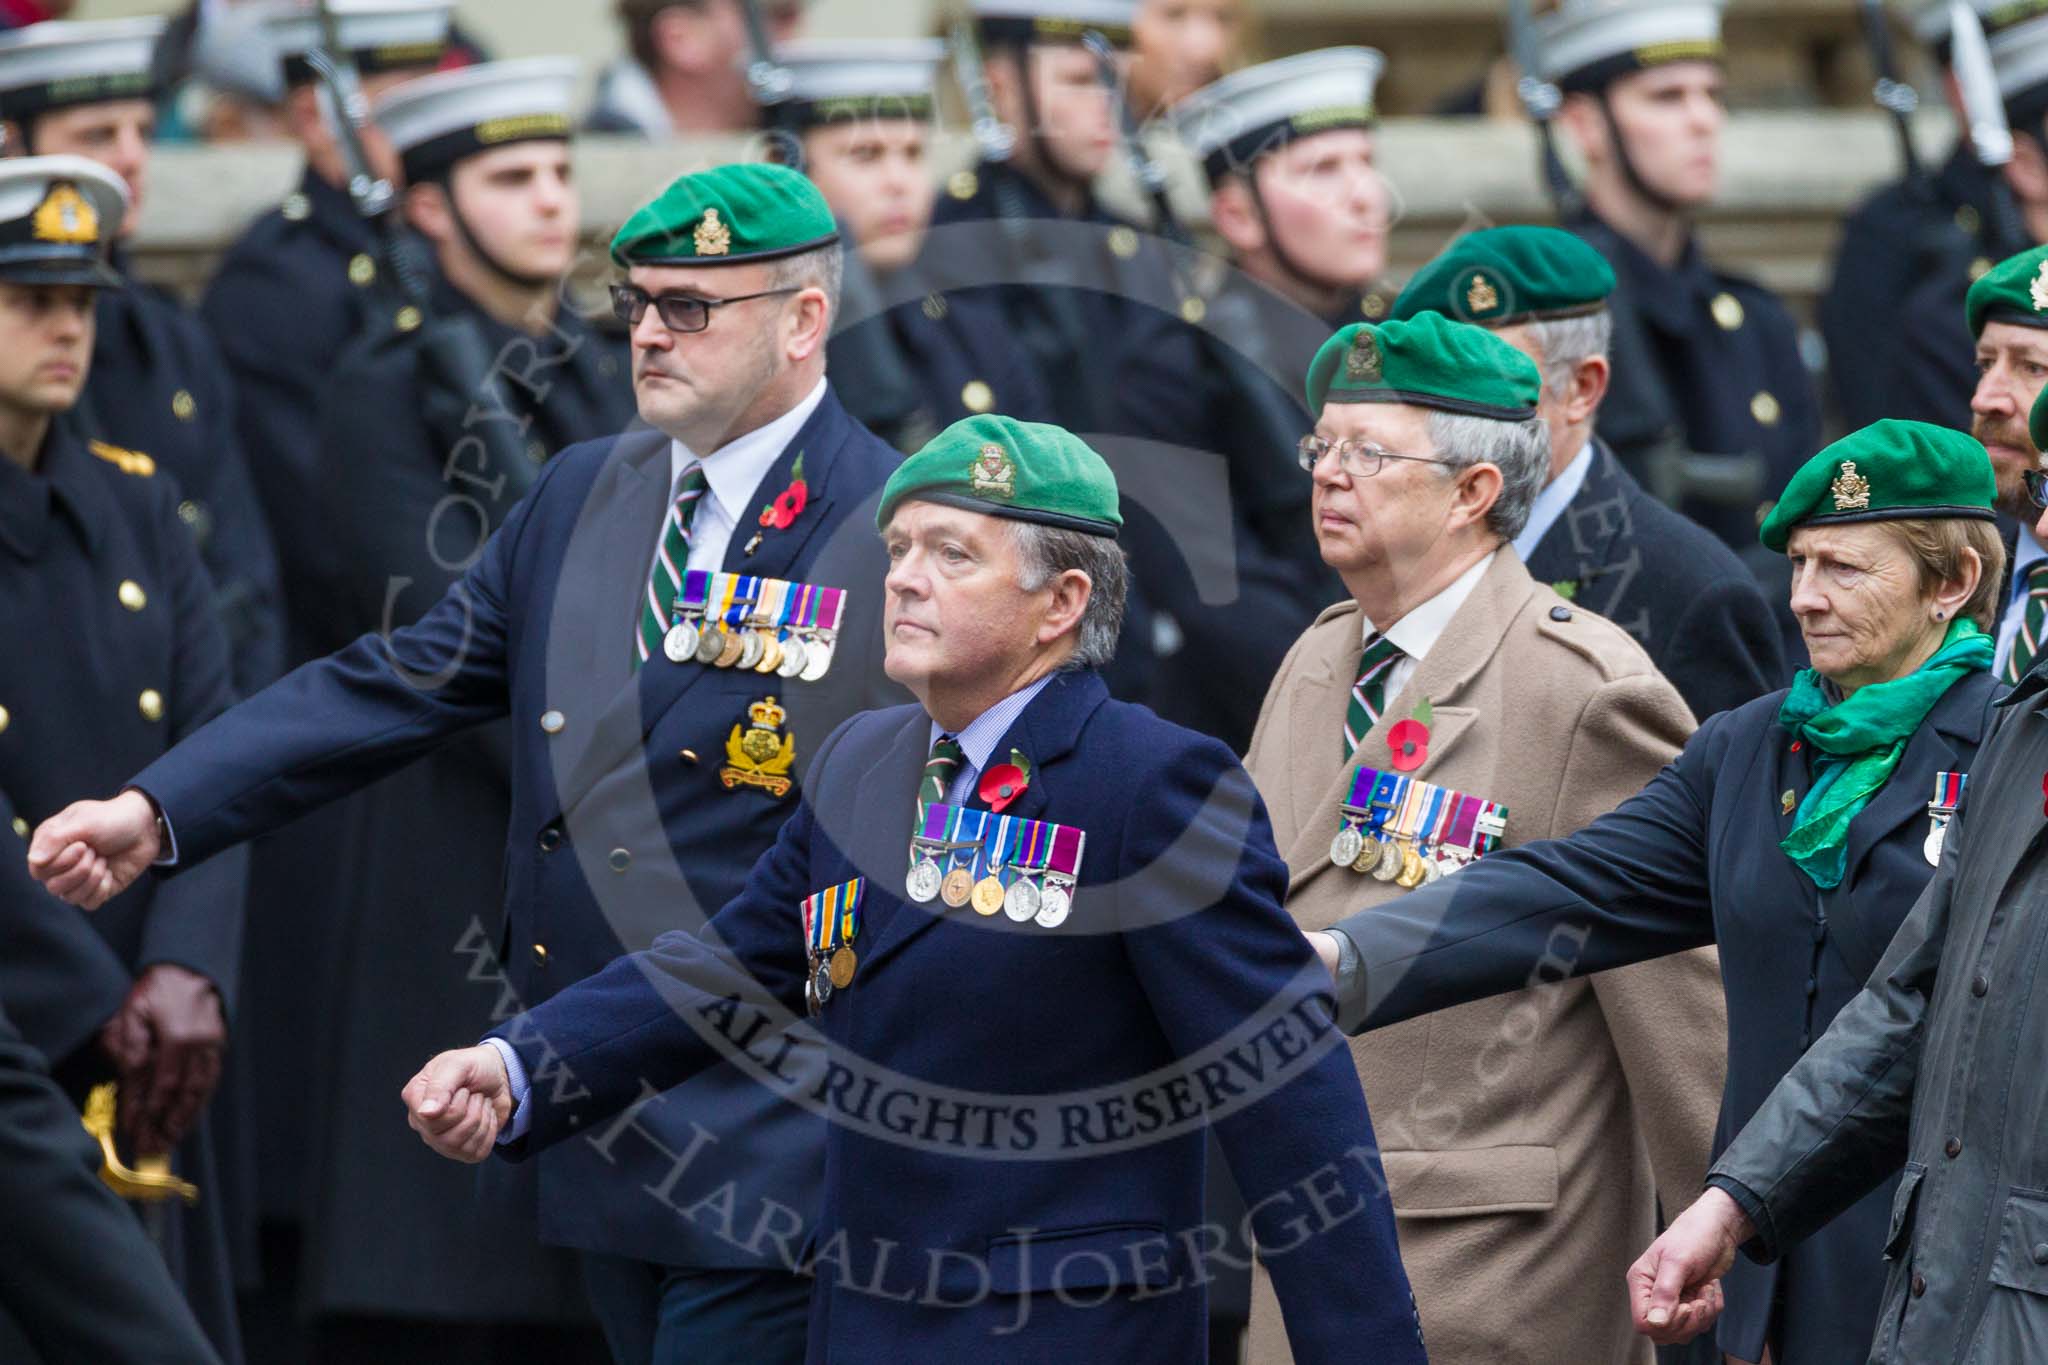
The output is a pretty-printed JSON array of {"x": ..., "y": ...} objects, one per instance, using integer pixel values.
[{"x": 127, "y": 461}]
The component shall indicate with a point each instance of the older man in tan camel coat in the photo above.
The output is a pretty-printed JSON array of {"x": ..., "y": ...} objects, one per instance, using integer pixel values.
[{"x": 1526, "y": 1138}]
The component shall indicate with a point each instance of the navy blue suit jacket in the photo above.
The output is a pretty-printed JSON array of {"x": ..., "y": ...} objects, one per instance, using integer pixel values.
[
  {"x": 1693, "y": 859},
  {"x": 1018, "y": 1112},
  {"x": 621, "y": 827}
]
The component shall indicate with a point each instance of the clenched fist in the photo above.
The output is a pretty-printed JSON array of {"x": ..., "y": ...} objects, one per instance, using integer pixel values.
[
  {"x": 92, "y": 851},
  {"x": 459, "y": 1102}
]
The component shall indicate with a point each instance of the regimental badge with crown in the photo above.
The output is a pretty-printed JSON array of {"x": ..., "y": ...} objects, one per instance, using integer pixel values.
[
  {"x": 2038, "y": 289},
  {"x": 761, "y": 755},
  {"x": 66, "y": 216},
  {"x": 1482, "y": 297},
  {"x": 1362, "y": 361},
  {"x": 992, "y": 474},
  {"x": 1851, "y": 490},
  {"x": 712, "y": 237}
]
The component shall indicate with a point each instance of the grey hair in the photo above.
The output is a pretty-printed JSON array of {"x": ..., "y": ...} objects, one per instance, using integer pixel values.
[
  {"x": 824, "y": 268},
  {"x": 1045, "y": 552},
  {"x": 1566, "y": 342},
  {"x": 1520, "y": 450}
]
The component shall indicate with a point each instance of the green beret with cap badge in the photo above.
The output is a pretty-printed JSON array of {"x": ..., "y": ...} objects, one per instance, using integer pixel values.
[
  {"x": 1892, "y": 470},
  {"x": 1027, "y": 471},
  {"x": 2015, "y": 290},
  {"x": 1497, "y": 277},
  {"x": 728, "y": 215},
  {"x": 1427, "y": 361}
]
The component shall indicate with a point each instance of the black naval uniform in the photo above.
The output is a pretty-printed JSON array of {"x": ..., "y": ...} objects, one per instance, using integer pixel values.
[
  {"x": 159, "y": 385},
  {"x": 1704, "y": 363},
  {"x": 115, "y": 655},
  {"x": 421, "y": 909},
  {"x": 289, "y": 296},
  {"x": 1895, "y": 242}
]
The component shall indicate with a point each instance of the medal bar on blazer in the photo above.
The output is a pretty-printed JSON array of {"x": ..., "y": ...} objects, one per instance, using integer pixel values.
[
  {"x": 1407, "y": 831},
  {"x": 831, "y": 924},
  {"x": 1028, "y": 869},
  {"x": 1948, "y": 794},
  {"x": 1020, "y": 898},
  {"x": 768, "y": 625}
]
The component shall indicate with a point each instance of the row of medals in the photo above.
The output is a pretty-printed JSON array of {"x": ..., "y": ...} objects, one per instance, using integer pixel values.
[
  {"x": 1388, "y": 861},
  {"x": 1022, "y": 900},
  {"x": 805, "y": 653},
  {"x": 830, "y": 972}
]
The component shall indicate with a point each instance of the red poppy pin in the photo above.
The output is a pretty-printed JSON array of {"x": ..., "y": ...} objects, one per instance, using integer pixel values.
[
  {"x": 789, "y": 503},
  {"x": 1005, "y": 782},
  {"x": 1408, "y": 740}
]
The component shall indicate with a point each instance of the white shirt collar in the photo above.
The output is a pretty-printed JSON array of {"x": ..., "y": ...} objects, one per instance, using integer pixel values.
[
  {"x": 1416, "y": 633},
  {"x": 1552, "y": 499},
  {"x": 736, "y": 469},
  {"x": 978, "y": 737}
]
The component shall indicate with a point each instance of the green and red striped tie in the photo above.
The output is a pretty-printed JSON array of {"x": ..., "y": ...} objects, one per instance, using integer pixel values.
[
  {"x": 2026, "y": 642},
  {"x": 665, "y": 580},
  {"x": 1369, "y": 693},
  {"x": 939, "y": 770}
]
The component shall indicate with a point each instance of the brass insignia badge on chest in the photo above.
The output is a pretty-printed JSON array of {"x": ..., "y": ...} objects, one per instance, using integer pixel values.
[{"x": 761, "y": 754}]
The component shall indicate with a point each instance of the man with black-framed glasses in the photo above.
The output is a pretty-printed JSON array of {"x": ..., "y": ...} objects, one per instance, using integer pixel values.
[
  {"x": 644, "y": 777},
  {"x": 1449, "y": 706}
]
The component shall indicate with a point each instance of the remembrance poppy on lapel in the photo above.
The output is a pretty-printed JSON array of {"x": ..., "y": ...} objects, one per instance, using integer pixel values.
[
  {"x": 1005, "y": 782},
  {"x": 1407, "y": 745},
  {"x": 789, "y": 503}
]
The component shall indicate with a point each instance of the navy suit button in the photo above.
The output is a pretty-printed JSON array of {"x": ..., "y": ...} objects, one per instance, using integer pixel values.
[
  {"x": 1560, "y": 613},
  {"x": 2041, "y": 1253},
  {"x": 687, "y": 755},
  {"x": 1980, "y": 985},
  {"x": 552, "y": 722},
  {"x": 1812, "y": 986},
  {"x": 4, "y": 718},
  {"x": 1919, "y": 1285},
  {"x": 1953, "y": 1148},
  {"x": 550, "y": 838},
  {"x": 621, "y": 859},
  {"x": 20, "y": 828},
  {"x": 540, "y": 954}
]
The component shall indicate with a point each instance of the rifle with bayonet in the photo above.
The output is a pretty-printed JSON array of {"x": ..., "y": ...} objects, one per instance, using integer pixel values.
[
  {"x": 457, "y": 361},
  {"x": 1541, "y": 100},
  {"x": 1984, "y": 116}
]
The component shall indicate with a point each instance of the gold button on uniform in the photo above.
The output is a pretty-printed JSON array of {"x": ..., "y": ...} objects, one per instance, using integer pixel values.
[
  {"x": 1727, "y": 311},
  {"x": 151, "y": 704},
  {"x": 934, "y": 306},
  {"x": 1764, "y": 407},
  {"x": 20, "y": 828},
  {"x": 361, "y": 269},
  {"x": 620, "y": 860},
  {"x": 131, "y": 594},
  {"x": 295, "y": 207},
  {"x": 687, "y": 755},
  {"x": 536, "y": 452},
  {"x": 188, "y": 511},
  {"x": 1193, "y": 309},
  {"x": 1124, "y": 242},
  {"x": 540, "y": 954},
  {"x": 1979, "y": 268},
  {"x": 183, "y": 405},
  {"x": 977, "y": 396},
  {"x": 1968, "y": 220},
  {"x": 407, "y": 320},
  {"x": 4, "y": 718},
  {"x": 963, "y": 184},
  {"x": 1373, "y": 306},
  {"x": 552, "y": 722}
]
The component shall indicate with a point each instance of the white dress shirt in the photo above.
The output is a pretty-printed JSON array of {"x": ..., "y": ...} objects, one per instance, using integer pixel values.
[
  {"x": 1551, "y": 502},
  {"x": 1417, "y": 633},
  {"x": 2025, "y": 555},
  {"x": 732, "y": 476}
]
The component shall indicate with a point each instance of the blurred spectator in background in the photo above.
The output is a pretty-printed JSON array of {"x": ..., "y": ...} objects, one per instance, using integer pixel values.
[
  {"x": 1179, "y": 46},
  {"x": 685, "y": 66}
]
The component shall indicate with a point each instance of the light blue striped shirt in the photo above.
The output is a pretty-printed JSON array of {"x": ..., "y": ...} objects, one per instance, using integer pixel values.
[{"x": 978, "y": 738}]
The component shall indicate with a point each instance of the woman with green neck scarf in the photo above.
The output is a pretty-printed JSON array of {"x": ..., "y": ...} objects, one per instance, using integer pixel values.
[{"x": 1795, "y": 831}]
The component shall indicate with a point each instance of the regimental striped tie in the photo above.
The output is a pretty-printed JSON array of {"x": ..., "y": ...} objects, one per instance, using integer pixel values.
[
  {"x": 1369, "y": 693},
  {"x": 665, "y": 579},
  {"x": 2026, "y": 641},
  {"x": 939, "y": 770}
]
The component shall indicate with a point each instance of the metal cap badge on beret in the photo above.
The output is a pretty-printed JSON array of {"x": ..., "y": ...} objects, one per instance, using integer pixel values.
[
  {"x": 1889, "y": 471},
  {"x": 59, "y": 216},
  {"x": 728, "y": 215},
  {"x": 2015, "y": 290},
  {"x": 1497, "y": 277},
  {"x": 435, "y": 121},
  {"x": 1231, "y": 122},
  {"x": 61, "y": 63},
  {"x": 1587, "y": 44},
  {"x": 859, "y": 78},
  {"x": 1027, "y": 471},
  {"x": 1428, "y": 361}
]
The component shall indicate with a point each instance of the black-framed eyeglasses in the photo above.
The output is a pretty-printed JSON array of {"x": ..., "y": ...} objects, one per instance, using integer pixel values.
[
  {"x": 1359, "y": 459},
  {"x": 679, "y": 312},
  {"x": 2036, "y": 481}
]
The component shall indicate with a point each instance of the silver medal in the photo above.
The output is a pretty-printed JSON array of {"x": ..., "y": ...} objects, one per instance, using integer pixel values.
[
  {"x": 924, "y": 880},
  {"x": 751, "y": 649},
  {"x": 1389, "y": 865},
  {"x": 818, "y": 658},
  {"x": 680, "y": 644},
  {"x": 792, "y": 658},
  {"x": 1020, "y": 900},
  {"x": 1935, "y": 835},
  {"x": 1053, "y": 904},
  {"x": 710, "y": 644},
  {"x": 821, "y": 982},
  {"x": 1345, "y": 848}
]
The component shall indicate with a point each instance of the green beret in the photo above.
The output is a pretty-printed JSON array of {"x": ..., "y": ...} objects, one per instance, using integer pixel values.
[
  {"x": 728, "y": 215},
  {"x": 2014, "y": 290},
  {"x": 1889, "y": 471},
  {"x": 1429, "y": 361},
  {"x": 1497, "y": 277},
  {"x": 1027, "y": 471}
]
